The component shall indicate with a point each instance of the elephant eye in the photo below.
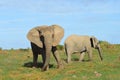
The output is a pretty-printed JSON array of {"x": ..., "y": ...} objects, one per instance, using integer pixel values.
[
  {"x": 52, "y": 35},
  {"x": 39, "y": 32},
  {"x": 98, "y": 42}
]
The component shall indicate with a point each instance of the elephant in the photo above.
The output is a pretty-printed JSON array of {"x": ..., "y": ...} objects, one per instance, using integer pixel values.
[
  {"x": 82, "y": 44},
  {"x": 44, "y": 40}
]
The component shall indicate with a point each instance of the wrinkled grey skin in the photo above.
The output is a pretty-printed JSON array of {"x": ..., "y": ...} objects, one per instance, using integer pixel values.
[
  {"x": 44, "y": 40},
  {"x": 81, "y": 44}
]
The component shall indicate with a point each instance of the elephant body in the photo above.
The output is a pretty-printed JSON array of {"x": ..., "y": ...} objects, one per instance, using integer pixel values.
[
  {"x": 81, "y": 44},
  {"x": 44, "y": 39}
]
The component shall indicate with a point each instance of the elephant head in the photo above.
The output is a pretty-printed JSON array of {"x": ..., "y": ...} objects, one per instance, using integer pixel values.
[
  {"x": 35, "y": 34},
  {"x": 95, "y": 44},
  {"x": 46, "y": 37}
]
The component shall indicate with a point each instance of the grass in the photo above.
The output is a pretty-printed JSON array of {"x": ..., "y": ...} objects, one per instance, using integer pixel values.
[{"x": 16, "y": 65}]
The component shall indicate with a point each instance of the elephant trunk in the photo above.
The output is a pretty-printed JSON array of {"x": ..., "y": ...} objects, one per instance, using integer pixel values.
[
  {"x": 100, "y": 54},
  {"x": 48, "y": 46}
]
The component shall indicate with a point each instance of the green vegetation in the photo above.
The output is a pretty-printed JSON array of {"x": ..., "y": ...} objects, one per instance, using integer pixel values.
[{"x": 16, "y": 65}]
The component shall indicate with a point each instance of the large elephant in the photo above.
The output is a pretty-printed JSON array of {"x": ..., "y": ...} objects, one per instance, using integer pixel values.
[
  {"x": 82, "y": 44},
  {"x": 44, "y": 39}
]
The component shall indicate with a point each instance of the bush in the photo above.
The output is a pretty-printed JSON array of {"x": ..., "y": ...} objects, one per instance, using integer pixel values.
[
  {"x": 21, "y": 49},
  {"x": 105, "y": 44},
  {"x": 60, "y": 47}
]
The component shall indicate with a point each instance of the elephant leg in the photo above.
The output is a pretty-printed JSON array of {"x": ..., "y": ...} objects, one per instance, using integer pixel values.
[
  {"x": 82, "y": 56},
  {"x": 35, "y": 57},
  {"x": 68, "y": 53},
  {"x": 43, "y": 58},
  {"x": 56, "y": 56},
  {"x": 90, "y": 55},
  {"x": 68, "y": 58},
  {"x": 35, "y": 54}
]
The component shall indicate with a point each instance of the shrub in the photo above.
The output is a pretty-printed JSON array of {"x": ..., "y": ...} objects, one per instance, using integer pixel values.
[
  {"x": 21, "y": 49},
  {"x": 60, "y": 47}
]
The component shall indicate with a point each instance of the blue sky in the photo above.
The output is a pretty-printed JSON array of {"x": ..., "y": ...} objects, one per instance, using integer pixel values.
[{"x": 100, "y": 18}]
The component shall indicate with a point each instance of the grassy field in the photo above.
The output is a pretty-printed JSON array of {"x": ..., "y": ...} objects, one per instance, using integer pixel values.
[{"x": 16, "y": 65}]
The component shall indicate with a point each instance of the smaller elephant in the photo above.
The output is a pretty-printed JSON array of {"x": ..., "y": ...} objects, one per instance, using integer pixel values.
[{"x": 82, "y": 44}]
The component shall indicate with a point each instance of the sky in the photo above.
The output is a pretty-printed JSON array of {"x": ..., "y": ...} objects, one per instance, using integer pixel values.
[{"x": 99, "y": 18}]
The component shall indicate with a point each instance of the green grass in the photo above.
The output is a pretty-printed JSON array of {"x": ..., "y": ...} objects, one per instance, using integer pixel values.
[{"x": 16, "y": 65}]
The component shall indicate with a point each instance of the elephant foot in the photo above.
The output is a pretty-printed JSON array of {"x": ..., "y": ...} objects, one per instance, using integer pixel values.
[
  {"x": 34, "y": 66},
  {"x": 85, "y": 61},
  {"x": 45, "y": 68},
  {"x": 60, "y": 66},
  {"x": 82, "y": 60},
  {"x": 69, "y": 61},
  {"x": 89, "y": 60}
]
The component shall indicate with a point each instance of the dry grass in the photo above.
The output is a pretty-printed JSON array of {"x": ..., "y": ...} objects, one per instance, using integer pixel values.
[{"x": 12, "y": 66}]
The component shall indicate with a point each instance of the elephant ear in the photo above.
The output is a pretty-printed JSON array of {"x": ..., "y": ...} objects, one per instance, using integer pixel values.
[
  {"x": 34, "y": 37},
  {"x": 58, "y": 33},
  {"x": 92, "y": 41}
]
